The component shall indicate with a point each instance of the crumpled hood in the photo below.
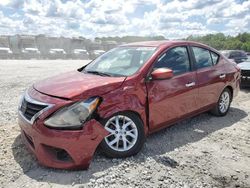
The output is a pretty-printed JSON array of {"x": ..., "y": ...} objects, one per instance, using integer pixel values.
[{"x": 78, "y": 85}]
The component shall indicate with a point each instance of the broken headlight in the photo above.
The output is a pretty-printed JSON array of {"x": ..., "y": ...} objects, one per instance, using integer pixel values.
[{"x": 73, "y": 116}]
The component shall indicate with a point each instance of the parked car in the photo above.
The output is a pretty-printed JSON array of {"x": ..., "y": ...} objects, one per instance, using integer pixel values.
[
  {"x": 245, "y": 73},
  {"x": 30, "y": 53},
  {"x": 95, "y": 53},
  {"x": 57, "y": 53},
  {"x": 80, "y": 54},
  {"x": 237, "y": 55},
  {"x": 124, "y": 95},
  {"x": 5, "y": 53}
]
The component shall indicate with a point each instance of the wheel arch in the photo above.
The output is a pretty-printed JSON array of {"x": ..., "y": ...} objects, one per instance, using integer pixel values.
[{"x": 115, "y": 111}]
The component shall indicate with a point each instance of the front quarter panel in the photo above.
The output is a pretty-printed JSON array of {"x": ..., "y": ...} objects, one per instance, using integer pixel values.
[{"x": 129, "y": 97}]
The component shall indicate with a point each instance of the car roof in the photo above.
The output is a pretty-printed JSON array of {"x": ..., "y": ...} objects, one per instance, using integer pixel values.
[
  {"x": 164, "y": 43},
  {"x": 56, "y": 49}
]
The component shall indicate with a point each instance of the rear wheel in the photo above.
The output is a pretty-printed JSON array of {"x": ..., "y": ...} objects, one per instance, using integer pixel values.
[
  {"x": 126, "y": 135},
  {"x": 223, "y": 103}
]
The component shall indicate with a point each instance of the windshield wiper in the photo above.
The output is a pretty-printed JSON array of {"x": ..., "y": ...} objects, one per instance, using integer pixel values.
[{"x": 98, "y": 73}]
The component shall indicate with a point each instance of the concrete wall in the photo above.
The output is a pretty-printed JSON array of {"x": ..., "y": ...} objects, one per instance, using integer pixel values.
[{"x": 44, "y": 43}]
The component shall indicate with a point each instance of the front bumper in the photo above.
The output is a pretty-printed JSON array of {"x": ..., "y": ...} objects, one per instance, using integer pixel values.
[{"x": 64, "y": 149}]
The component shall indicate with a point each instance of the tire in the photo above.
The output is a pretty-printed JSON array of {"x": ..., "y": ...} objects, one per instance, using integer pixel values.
[
  {"x": 223, "y": 104},
  {"x": 126, "y": 136}
]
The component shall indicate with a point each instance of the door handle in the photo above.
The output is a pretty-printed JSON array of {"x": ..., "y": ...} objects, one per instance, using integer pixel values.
[
  {"x": 190, "y": 84},
  {"x": 222, "y": 76}
]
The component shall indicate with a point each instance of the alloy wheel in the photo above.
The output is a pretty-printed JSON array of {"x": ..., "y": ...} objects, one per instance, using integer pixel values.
[
  {"x": 224, "y": 102},
  {"x": 123, "y": 133}
]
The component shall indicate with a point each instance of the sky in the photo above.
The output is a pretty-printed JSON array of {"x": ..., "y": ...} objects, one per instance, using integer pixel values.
[{"x": 97, "y": 18}]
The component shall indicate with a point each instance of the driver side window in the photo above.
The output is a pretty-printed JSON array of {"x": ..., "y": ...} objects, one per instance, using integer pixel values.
[{"x": 176, "y": 59}]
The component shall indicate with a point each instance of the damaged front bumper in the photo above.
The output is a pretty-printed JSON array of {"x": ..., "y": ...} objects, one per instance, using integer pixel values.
[{"x": 64, "y": 149}]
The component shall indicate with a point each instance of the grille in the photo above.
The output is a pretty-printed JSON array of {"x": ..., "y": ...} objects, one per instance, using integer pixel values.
[
  {"x": 245, "y": 73},
  {"x": 29, "y": 109}
]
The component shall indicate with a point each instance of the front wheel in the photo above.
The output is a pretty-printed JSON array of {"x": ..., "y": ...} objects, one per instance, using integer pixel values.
[
  {"x": 223, "y": 103},
  {"x": 126, "y": 135}
]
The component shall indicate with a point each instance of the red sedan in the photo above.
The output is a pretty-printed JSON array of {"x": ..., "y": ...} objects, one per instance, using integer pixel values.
[{"x": 118, "y": 99}]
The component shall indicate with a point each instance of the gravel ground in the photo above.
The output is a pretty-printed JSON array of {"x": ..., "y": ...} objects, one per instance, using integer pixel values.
[{"x": 203, "y": 151}]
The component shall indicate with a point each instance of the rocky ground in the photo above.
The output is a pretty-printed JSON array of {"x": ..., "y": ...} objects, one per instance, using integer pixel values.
[{"x": 203, "y": 151}]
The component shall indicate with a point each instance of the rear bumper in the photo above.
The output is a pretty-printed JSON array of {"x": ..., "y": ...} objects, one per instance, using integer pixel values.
[
  {"x": 245, "y": 78},
  {"x": 62, "y": 149},
  {"x": 245, "y": 81},
  {"x": 6, "y": 56}
]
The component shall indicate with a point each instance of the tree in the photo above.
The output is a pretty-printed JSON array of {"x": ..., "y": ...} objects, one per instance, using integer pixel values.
[{"x": 219, "y": 41}]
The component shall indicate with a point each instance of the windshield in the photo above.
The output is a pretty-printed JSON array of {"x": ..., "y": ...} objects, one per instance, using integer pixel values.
[{"x": 122, "y": 61}]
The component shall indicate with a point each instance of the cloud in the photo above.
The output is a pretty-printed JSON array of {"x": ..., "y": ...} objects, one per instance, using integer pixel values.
[
  {"x": 15, "y": 4},
  {"x": 4, "y": 2},
  {"x": 171, "y": 18},
  {"x": 112, "y": 19}
]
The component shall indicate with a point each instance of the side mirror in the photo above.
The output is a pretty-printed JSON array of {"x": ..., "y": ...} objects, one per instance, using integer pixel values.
[{"x": 162, "y": 74}]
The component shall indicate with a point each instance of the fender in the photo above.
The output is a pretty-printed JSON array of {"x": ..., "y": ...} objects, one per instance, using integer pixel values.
[{"x": 126, "y": 98}]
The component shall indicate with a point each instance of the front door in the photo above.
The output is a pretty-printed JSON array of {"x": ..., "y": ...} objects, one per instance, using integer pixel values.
[{"x": 172, "y": 98}]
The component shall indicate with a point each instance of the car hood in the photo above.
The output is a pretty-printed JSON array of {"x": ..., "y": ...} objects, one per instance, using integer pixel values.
[
  {"x": 78, "y": 85},
  {"x": 244, "y": 66}
]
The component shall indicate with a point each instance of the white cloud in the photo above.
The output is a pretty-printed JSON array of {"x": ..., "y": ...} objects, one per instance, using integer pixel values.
[
  {"x": 4, "y": 2},
  {"x": 173, "y": 19}
]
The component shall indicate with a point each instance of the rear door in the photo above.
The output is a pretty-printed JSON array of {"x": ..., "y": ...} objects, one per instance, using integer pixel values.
[
  {"x": 210, "y": 76},
  {"x": 175, "y": 97}
]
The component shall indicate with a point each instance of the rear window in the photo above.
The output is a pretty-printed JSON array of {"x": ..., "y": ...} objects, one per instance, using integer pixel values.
[
  {"x": 202, "y": 57},
  {"x": 235, "y": 54},
  {"x": 243, "y": 54}
]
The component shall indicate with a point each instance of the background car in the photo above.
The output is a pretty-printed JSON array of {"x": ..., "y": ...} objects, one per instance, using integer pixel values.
[
  {"x": 57, "y": 53},
  {"x": 95, "y": 53},
  {"x": 30, "y": 53},
  {"x": 80, "y": 54},
  {"x": 237, "y": 55},
  {"x": 245, "y": 73},
  {"x": 5, "y": 53}
]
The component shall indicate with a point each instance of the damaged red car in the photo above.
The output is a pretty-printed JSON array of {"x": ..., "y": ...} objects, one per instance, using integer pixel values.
[{"x": 118, "y": 99}]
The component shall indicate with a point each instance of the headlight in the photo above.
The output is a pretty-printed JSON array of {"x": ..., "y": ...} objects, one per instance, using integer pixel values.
[{"x": 73, "y": 116}]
